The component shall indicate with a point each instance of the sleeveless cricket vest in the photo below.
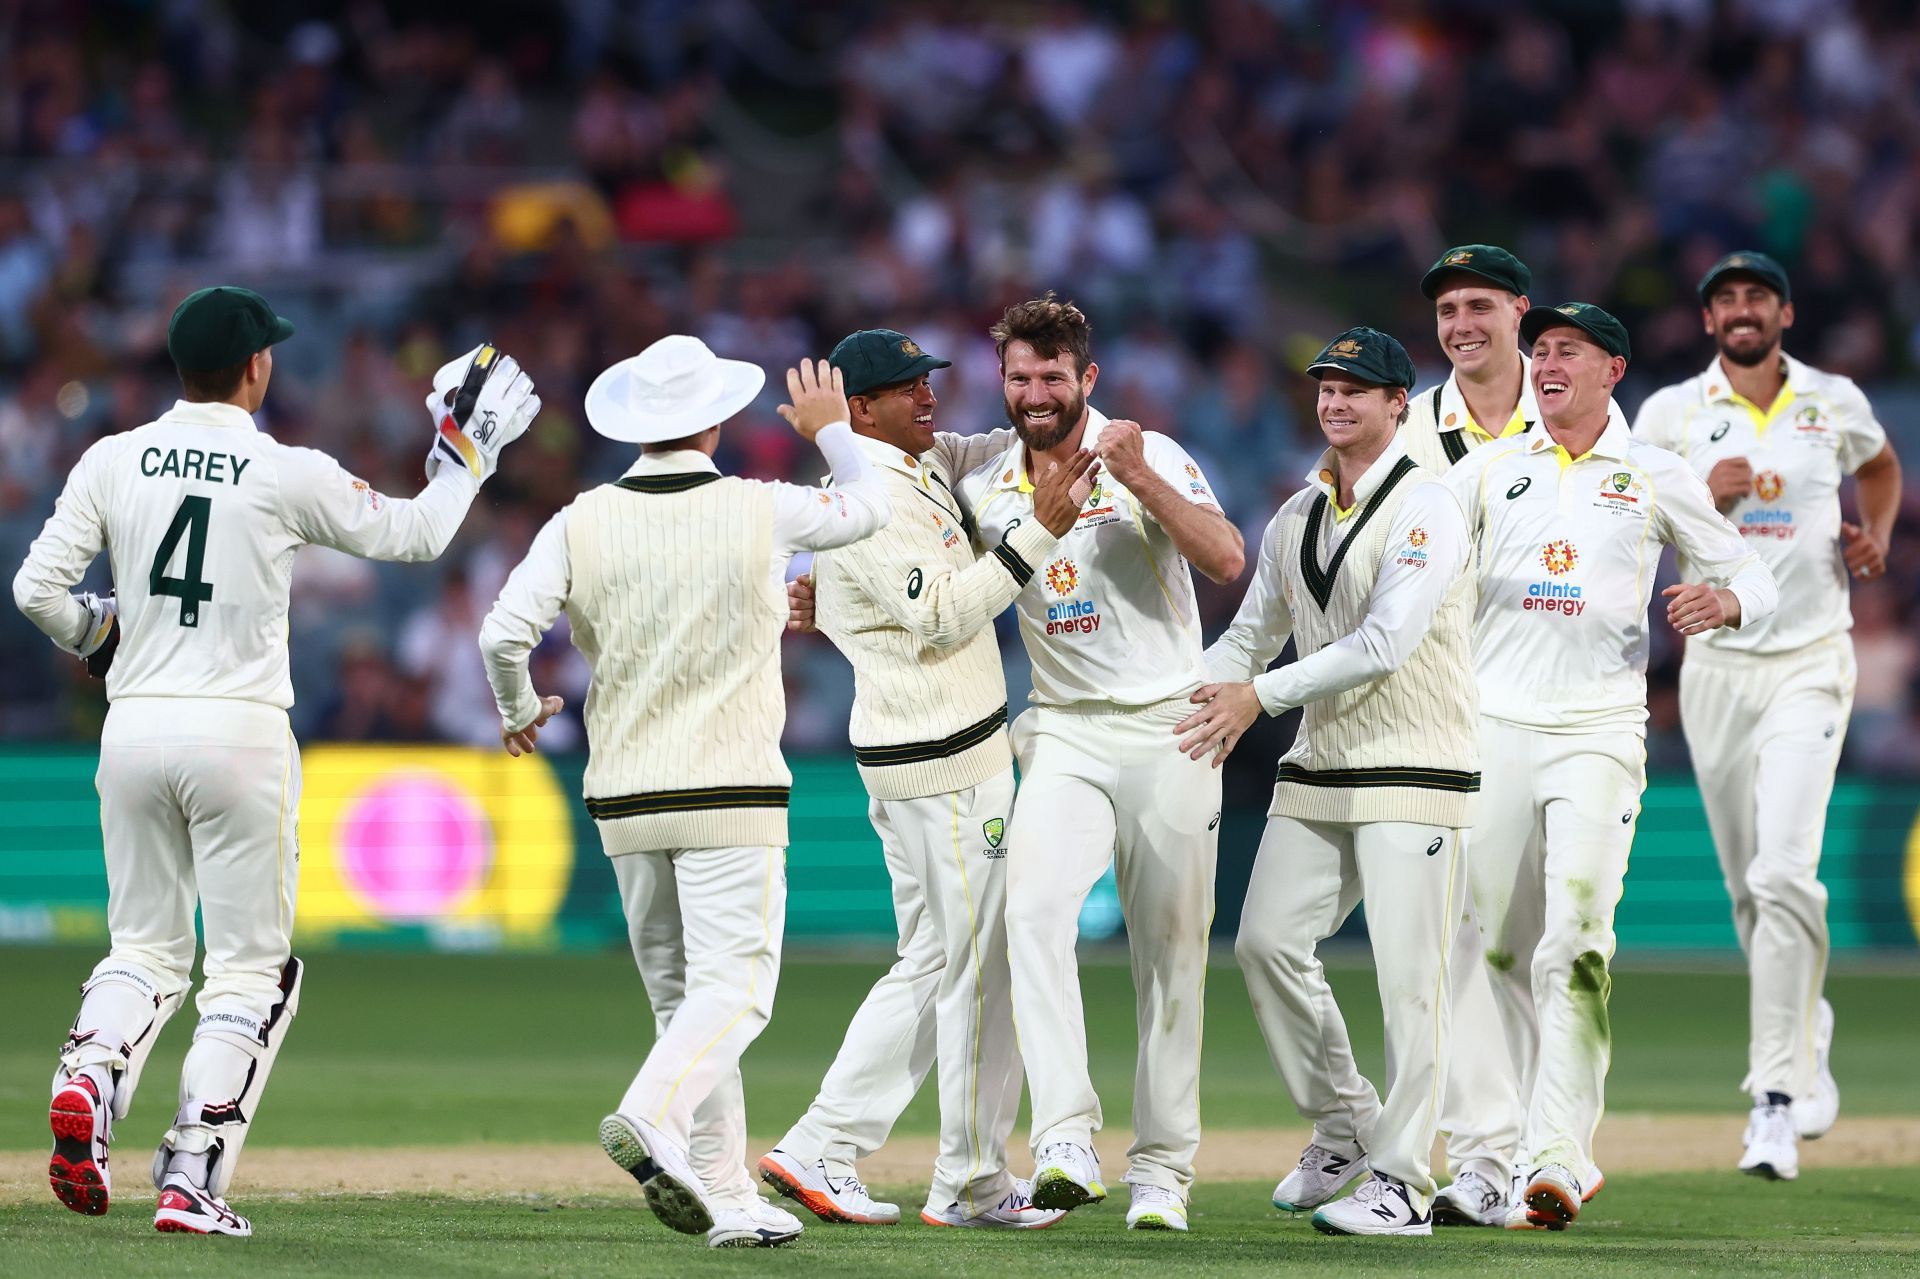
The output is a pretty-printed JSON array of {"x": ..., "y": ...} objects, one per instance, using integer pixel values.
[
  {"x": 674, "y": 604},
  {"x": 1402, "y": 748}
]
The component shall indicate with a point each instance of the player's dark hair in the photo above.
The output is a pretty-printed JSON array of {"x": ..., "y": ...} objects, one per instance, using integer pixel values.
[
  {"x": 1049, "y": 326},
  {"x": 209, "y": 385}
]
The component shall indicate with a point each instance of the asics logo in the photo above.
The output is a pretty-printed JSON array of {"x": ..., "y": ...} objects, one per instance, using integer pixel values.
[
  {"x": 1434, "y": 848},
  {"x": 1720, "y": 432},
  {"x": 1519, "y": 488}
]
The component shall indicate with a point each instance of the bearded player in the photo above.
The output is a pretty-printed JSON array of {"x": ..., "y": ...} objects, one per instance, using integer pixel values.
[{"x": 1765, "y": 707}]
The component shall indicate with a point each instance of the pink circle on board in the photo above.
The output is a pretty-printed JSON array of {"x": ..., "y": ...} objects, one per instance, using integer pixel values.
[{"x": 411, "y": 844}]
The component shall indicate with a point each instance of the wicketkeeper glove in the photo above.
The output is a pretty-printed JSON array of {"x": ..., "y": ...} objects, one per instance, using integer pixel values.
[
  {"x": 102, "y": 638},
  {"x": 480, "y": 403}
]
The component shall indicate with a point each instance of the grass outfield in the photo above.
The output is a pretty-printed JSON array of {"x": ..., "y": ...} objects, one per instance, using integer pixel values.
[
  {"x": 437, "y": 1050},
  {"x": 1852, "y": 1222}
]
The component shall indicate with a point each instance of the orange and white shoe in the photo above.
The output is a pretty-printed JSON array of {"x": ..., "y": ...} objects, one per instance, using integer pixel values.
[
  {"x": 1552, "y": 1197},
  {"x": 830, "y": 1198},
  {"x": 186, "y": 1209},
  {"x": 82, "y": 1123}
]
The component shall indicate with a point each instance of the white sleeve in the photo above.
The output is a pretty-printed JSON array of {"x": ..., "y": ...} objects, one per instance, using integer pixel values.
[
  {"x": 1861, "y": 435},
  {"x": 1466, "y": 480},
  {"x": 58, "y": 558},
  {"x": 958, "y": 454},
  {"x": 531, "y": 600},
  {"x": 1262, "y": 625},
  {"x": 819, "y": 519},
  {"x": 326, "y": 506},
  {"x": 1655, "y": 422},
  {"x": 1426, "y": 552},
  {"x": 1693, "y": 526},
  {"x": 1177, "y": 467}
]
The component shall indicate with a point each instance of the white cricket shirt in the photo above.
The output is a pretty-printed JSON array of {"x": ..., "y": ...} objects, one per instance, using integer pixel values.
[
  {"x": 1819, "y": 430},
  {"x": 1440, "y": 429},
  {"x": 1566, "y": 550},
  {"x": 201, "y": 514},
  {"x": 1113, "y": 619}
]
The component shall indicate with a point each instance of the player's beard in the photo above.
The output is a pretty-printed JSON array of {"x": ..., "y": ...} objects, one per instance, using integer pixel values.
[
  {"x": 1752, "y": 356},
  {"x": 1068, "y": 417}
]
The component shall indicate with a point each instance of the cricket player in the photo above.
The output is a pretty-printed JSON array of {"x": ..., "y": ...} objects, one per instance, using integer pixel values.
[
  {"x": 1115, "y": 643},
  {"x": 1365, "y": 570},
  {"x": 1479, "y": 293},
  {"x": 1567, "y": 520},
  {"x": 673, "y": 577},
  {"x": 199, "y": 779},
  {"x": 1765, "y": 707},
  {"x": 912, "y": 607}
]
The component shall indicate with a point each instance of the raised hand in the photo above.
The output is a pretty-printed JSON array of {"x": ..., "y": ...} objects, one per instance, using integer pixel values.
[
  {"x": 819, "y": 398},
  {"x": 1058, "y": 495}
]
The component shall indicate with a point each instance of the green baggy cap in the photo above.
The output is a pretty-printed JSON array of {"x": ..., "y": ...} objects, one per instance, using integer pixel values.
[
  {"x": 1368, "y": 354},
  {"x": 1488, "y": 261},
  {"x": 222, "y": 326},
  {"x": 873, "y": 358},
  {"x": 1585, "y": 316},
  {"x": 1758, "y": 265}
]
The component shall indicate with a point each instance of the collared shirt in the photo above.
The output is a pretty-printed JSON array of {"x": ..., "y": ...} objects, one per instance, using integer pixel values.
[
  {"x": 1819, "y": 430},
  {"x": 810, "y": 519},
  {"x": 1427, "y": 548},
  {"x": 201, "y": 514},
  {"x": 1440, "y": 428},
  {"x": 1566, "y": 549},
  {"x": 1114, "y": 620}
]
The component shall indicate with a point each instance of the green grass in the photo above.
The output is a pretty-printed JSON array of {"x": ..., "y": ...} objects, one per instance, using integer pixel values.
[
  {"x": 1846, "y": 1222},
  {"x": 392, "y": 1048}
]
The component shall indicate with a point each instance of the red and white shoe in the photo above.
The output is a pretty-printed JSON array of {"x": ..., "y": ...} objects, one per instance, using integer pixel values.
[
  {"x": 82, "y": 1123},
  {"x": 830, "y": 1198},
  {"x": 186, "y": 1209}
]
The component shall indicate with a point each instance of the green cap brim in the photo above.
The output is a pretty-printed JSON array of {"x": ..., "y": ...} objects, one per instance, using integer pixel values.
[
  {"x": 921, "y": 364},
  {"x": 282, "y": 330},
  {"x": 1431, "y": 281}
]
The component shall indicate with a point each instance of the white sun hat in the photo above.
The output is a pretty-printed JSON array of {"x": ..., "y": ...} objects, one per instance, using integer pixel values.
[{"x": 673, "y": 389}]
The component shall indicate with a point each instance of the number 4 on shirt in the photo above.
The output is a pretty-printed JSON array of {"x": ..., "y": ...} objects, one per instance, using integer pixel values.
[{"x": 190, "y": 520}]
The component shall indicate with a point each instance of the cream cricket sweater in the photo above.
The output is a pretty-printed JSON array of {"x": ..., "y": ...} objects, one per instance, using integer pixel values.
[
  {"x": 675, "y": 609},
  {"x": 912, "y": 608}
]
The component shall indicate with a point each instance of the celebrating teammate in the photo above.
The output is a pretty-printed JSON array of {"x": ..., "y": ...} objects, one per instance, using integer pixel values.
[
  {"x": 913, "y": 609},
  {"x": 1364, "y": 570},
  {"x": 1765, "y": 707},
  {"x": 1479, "y": 293},
  {"x": 1564, "y": 519},
  {"x": 1115, "y": 644},
  {"x": 199, "y": 778},
  {"x": 673, "y": 577}
]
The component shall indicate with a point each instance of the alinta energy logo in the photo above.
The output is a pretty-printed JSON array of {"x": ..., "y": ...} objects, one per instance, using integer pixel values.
[
  {"x": 1768, "y": 486},
  {"x": 1069, "y": 617},
  {"x": 1558, "y": 557},
  {"x": 1412, "y": 555}
]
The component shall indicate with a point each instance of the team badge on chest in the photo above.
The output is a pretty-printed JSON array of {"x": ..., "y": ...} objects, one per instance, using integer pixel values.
[{"x": 1621, "y": 493}]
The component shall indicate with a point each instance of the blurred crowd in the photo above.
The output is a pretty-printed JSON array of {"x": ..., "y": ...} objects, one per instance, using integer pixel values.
[{"x": 1221, "y": 184}]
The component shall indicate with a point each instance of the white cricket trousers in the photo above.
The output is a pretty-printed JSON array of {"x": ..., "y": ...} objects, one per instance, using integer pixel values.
[
  {"x": 199, "y": 805},
  {"x": 948, "y": 998},
  {"x": 705, "y": 924},
  {"x": 1547, "y": 863},
  {"x": 1482, "y": 1113},
  {"x": 1307, "y": 877},
  {"x": 1765, "y": 733},
  {"x": 1104, "y": 785}
]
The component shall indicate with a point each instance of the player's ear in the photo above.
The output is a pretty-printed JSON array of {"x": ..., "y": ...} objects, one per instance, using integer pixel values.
[
  {"x": 1088, "y": 378},
  {"x": 1786, "y": 315}
]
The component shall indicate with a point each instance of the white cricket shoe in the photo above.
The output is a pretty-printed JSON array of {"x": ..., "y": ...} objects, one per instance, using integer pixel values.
[
  {"x": 1067, "y": 1177},
  {"x": 1380, "y": 1207},
  {"x": 185, "y": 1208},
  {"x": 1592, "y": 1184},
  {"x": 673, "y": 1190},
  {"x": 82, "y": 1123},
  {"x": 1815, "y": 1113},
  {"x": 1156, "y": 1208},
  {"x": 759, "y": 1225},
  {"x": 1472, "y": 1200},
  {"x": 1552, "y": 1197},
  {"x": 1322, "y": 1173},
  {"x": 830, "y": 1198},
  {"x": 1773, "y": 1149},
  {"x": 1015, "y": 1211}
]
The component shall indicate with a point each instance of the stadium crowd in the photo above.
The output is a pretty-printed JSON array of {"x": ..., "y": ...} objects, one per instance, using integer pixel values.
[{"x": 1221, "y": 185}]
